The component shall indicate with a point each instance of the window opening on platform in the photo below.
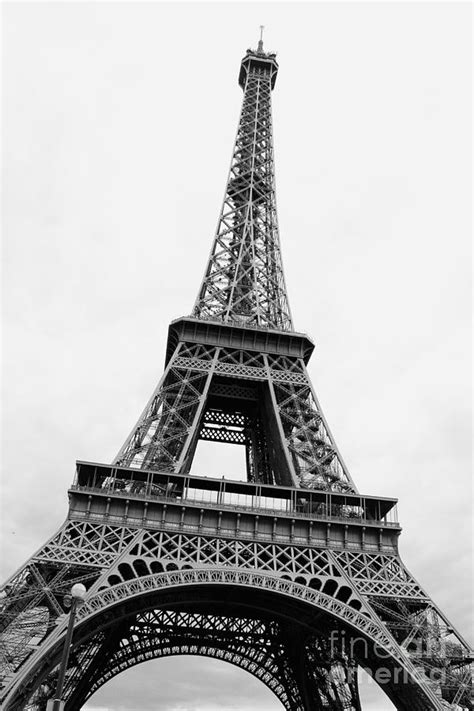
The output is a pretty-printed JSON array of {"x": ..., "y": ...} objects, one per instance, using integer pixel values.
[{"x": 218, "y": 460}]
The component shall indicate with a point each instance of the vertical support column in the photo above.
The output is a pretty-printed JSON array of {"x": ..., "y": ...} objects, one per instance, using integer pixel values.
[
  {"x": 123, "y": 454},
  {"x": 280, "y": 456},
  {"x": 342, "y": 470},
  {"x": 189, "y": 448}
]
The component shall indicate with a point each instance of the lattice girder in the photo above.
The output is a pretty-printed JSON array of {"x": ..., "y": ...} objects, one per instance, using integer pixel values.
[
  {"x": 33, "y": 598},
  {"x": 161, "y": 438},
  {"x": 244, "y": 281},
  {"x": 343, "y": 582},
  {"x": 186, "y": 587},
  {"x": 246, "y": 642},
  {"x": 275, "y": 395}
]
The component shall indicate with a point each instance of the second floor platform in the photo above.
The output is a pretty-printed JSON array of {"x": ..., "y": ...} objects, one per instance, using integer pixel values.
[{"x": 147, "y": 498}]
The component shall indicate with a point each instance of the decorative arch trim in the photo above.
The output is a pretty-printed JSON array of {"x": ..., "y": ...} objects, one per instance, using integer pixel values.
[
  {"x": 108, "y": 598},
  {"x": 364, "y": 623},
  {"x": 252, "y": 666}
]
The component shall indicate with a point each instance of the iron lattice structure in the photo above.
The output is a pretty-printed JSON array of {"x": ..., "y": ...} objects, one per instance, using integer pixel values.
[
  {"x": 292, "y": 575},
  {"x": 244, "y": 281}
]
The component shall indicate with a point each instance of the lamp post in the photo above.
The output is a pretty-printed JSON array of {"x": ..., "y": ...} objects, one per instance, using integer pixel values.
[{"x": 78, "y": 594}]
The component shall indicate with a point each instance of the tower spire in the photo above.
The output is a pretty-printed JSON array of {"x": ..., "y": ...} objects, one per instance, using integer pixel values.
[
  {"x": 244, "y": 281},
  {"x": 260, "y": 42}
]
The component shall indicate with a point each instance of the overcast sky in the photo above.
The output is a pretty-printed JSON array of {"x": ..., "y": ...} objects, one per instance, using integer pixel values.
[{"x": 118, "y": 128}]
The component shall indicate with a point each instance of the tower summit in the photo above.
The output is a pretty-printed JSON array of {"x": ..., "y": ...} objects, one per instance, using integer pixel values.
[
  {"x": 260, "y": 41},
  {"x": 292, "y": 575},
  {"x": 244, "y": 281}
]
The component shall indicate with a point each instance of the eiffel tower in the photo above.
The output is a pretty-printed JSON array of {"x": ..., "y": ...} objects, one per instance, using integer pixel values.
[{"x": 292, "y": 575}]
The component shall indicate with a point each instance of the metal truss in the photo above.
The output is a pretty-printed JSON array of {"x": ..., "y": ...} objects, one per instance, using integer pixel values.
[
  {"x": 244, "y": 281},
  {"x": 294, "y": 663},
  {"x": 298, "y": 593},
  {"x": 250, "y": 644},
  {"x": 244, "y": 397},
  {"x": 369, "y": 592}
]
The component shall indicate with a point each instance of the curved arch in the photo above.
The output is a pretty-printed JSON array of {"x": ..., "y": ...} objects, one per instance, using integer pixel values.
[
  {"x": 257, "y": 667},
  {"x": 99, "y": 608},
  {"x": 360, "y": 620}
]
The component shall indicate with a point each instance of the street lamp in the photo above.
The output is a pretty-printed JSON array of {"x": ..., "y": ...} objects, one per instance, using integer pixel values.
[{"x": 78, "y": 594}]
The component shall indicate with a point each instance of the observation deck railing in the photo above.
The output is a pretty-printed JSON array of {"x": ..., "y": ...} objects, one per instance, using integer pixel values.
[{"x": 233, "y": 495}]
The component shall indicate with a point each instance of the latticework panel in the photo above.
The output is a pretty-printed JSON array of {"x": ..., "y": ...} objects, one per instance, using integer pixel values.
[
  {"x": 159, "y": 438},
  {"x": 231, "y": 428},
  {"x": 432, "y": 644},
  {"x": 316, "y": 460},
  {"x": 244, "y": 280},
  {"x": 304, "y": 669},
  {"x": 33, "y": 598},
  {"x": 163, "y": 551},
  {"x": 242, "y": 363},
  {"x": 249, "y": 643},
  {"x": 153, "y": 562},
  {"x": 285, "y": 408},
  {"x": 32, "y": 602},
  {"x": 333, "y": 684},
  {"x": 379, "y": 574}
]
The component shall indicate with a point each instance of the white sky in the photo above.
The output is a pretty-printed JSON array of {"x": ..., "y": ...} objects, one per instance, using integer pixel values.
[{"x": 118, "y": 127}]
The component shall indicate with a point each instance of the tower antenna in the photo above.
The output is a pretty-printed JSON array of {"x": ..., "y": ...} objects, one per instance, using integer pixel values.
[{"x": 260, "y": 42}]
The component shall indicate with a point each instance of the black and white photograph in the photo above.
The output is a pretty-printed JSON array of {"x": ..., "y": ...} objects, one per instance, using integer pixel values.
[{"x": 236, "y": 356}]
